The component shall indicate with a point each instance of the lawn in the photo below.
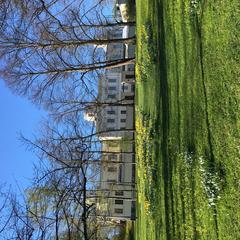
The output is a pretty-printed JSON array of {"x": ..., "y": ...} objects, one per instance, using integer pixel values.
[{"x": 187, "y": 119}]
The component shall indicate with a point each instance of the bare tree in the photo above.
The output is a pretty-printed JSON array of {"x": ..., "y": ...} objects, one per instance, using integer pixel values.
[
  {"x": 57, "y": 44},
  {"x": 62, "y": 200},
  {"x": 54, "y": 51},
  {"x": 61, "y": 203}
]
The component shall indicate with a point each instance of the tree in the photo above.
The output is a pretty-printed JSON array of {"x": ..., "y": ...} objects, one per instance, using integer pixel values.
[
  {"x": 62, "y": 200},
  {"x": 56, "y": 44},
  {"x": 53, "y": 52},
  {"x": 61, "y": 203}
]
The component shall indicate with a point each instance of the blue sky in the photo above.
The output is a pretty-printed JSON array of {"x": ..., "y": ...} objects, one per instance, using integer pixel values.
[{"x": 17, "y": 115}]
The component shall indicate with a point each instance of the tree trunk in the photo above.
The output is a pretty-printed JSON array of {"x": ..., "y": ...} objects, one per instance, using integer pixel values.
[{"x": 65, "y": 43}]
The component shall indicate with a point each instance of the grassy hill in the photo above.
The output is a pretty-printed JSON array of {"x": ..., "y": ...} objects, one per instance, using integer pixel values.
[{"x": 188, "y": 127}]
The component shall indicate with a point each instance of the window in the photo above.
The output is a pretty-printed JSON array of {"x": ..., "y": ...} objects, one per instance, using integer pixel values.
[
  {"x": 119, "y": 193},
  {"x": 123, "y": 120},
  {"x": 111, "y": 181},
  {"x": 112, "y": 80},
  {"x": 118, "y": 210},
  {"x": 120, "y": 173},
  {"x": 112, "y": 169},
  {"x": 123, "y": 111},
  {"x": 112, "y": 88},
  {"x": 132, "y": 88},
  {"x": 117, "y": 47},
  {"x": 129, "y": 97},
  {"x": 133, "y": 173},
  {"x": 111, "y": 96},
  {"x": 117, "y": 35},
  {"x": 124, "y": 87},
  {"x": 130, "y": 67},
  {"x": 119, "y": 201},
  {"x": 129, "y": 76},
  {"x": 112, "y": 157},
  {"x": 111, "y": 112},
  {"x": 110, "y": 120}
]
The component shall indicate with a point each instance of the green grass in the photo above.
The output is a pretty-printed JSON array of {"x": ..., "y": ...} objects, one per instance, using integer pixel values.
[
  {"x": 188, "y": 138},
  {"x": 129, "y": 231}
]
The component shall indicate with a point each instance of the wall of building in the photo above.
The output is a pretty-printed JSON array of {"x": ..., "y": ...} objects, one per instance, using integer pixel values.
[
  {"x": 117, "y": 180},
  {"x": 115, "y": 124}
]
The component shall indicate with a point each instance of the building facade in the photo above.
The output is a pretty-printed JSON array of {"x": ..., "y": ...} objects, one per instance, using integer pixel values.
[{"x": 114, "y": 120}]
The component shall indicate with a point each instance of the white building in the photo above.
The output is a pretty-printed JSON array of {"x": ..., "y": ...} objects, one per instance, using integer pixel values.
[
  {"x": 117, "y": 181},
  {"x": 115, "y": 127}
]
